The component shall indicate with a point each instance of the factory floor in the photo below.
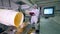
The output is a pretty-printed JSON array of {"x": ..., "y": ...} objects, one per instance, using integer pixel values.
[{"x": 50, "y": 25}]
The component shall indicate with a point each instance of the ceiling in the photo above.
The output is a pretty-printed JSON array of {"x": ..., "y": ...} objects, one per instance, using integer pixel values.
[{"x": 31, "y": 2}]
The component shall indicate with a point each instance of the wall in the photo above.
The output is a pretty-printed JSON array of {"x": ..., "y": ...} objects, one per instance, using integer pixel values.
[
  {"x": 52, "y": 24},
  {"x": 56, "y": 5},
  {"x": 8, "y": 4}
]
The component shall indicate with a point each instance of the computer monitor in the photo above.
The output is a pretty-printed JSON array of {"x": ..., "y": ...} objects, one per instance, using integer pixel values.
[{"x": 48, "y": 11}]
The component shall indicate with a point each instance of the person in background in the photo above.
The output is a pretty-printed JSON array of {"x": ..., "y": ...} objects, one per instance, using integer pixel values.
[{"x": 34, "y": 16}]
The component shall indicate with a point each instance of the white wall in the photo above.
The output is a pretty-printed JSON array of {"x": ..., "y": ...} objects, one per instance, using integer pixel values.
[{"x": 8, "y": 5}]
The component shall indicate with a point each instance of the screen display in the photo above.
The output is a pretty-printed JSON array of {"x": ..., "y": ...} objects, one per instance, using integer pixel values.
[{"x": 48, "y": 11}]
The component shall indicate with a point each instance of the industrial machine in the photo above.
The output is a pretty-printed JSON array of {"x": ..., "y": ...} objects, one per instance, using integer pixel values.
[{"x": 15, "y": 19}]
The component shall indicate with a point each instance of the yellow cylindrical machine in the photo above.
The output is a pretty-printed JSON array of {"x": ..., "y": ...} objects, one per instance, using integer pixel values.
[{"x": 11, "y": 17}]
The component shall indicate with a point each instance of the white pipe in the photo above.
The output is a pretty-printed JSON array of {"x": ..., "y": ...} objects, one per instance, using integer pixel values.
[{"x": 11, "y": 17}]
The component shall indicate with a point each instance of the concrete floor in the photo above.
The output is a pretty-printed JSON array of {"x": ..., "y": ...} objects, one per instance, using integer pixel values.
[{"x": 50, "y": 25}]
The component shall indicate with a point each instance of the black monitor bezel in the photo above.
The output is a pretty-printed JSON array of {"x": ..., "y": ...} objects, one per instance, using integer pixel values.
[{"x": 48, "y": 15}]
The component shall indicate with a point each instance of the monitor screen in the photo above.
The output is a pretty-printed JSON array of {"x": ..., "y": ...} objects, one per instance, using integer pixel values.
[{"x": 48, "y": 11}]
